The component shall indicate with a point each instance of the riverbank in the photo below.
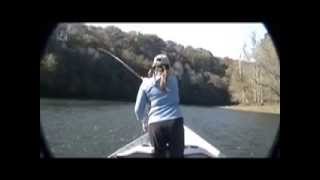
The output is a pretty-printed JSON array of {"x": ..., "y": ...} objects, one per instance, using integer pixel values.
[{"x": 254, "y": 108}]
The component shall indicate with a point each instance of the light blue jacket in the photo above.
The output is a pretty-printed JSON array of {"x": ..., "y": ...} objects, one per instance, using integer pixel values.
[{"x": 154, "y": 105}]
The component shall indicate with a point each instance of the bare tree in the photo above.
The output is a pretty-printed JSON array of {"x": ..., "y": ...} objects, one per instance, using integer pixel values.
[
  {"x": 268, "y": 63},
  {"x": 260, "y": 79}
]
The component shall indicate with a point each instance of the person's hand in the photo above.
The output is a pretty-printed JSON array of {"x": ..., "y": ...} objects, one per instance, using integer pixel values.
[{"x": 144, "y": 126}]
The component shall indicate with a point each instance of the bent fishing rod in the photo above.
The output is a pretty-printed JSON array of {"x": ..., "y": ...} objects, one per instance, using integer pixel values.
[
  {"x": 145, "y": 121},
  {"x": 120, "y": 61}
]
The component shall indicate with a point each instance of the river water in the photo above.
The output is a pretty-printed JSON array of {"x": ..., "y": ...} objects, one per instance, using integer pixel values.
[{"x": 89, "y": 128}]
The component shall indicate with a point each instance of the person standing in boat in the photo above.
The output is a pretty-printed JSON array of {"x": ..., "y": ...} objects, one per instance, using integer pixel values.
[{"x": 157, "y": 105}]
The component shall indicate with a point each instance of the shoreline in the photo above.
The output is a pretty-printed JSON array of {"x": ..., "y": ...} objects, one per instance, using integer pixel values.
[{"x": 275, "y": 108}]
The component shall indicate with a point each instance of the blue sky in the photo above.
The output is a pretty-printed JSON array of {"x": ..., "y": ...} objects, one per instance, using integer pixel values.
[{"x": 222, "y": 39}]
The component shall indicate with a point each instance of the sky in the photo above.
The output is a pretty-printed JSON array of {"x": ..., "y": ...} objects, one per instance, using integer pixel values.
[{"x": 222, "y": 39}]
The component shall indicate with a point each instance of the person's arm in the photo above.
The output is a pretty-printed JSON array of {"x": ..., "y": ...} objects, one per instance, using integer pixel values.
[
  {"x": 146, "y": 118},
  {"x": 141, "y": 102}
]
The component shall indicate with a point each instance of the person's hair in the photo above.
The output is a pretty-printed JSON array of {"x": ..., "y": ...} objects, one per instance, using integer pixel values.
[
  {"x": 164, "y": 74},
  {"x": 150, "y": 72}
]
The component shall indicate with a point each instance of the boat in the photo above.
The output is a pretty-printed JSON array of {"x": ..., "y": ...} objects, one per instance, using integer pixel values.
[{"x": 195, "y": 147}]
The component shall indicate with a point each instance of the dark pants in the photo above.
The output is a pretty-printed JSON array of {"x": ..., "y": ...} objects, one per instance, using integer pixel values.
[{"x": 167, "y": 136}]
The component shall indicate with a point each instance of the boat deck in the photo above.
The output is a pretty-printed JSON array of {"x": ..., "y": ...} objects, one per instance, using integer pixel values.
[{"x": 195, "y": 147}]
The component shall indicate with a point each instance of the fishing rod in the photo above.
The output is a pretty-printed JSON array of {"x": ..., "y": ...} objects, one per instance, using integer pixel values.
[
  {"x": 123, "y": 63},
  {"x": 145, "y": 121}
]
